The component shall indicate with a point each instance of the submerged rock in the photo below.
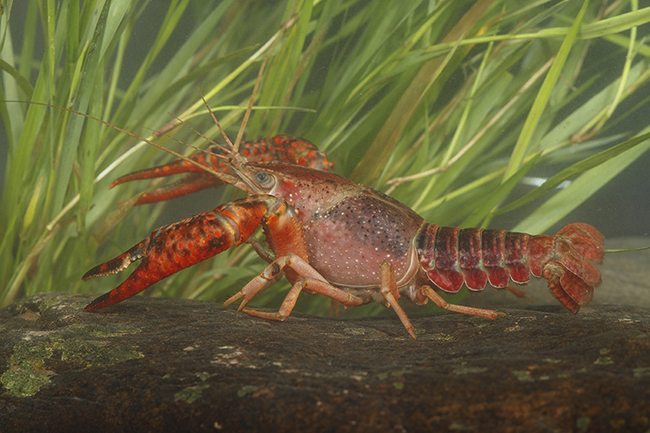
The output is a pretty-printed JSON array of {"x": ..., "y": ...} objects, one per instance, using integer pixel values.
[{"x": 174, "y": 364}]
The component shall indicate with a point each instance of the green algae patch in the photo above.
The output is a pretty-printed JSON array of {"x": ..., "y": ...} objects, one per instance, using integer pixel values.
[
  {"x": 96, "y": 353},
  {"x": 366, "y": 332},
  {"x": 523, "y": 376},
  {"x": 603, "y": 360},
  {"x": 205, "y": 376},
  {"x": 582, "y": 423},
  {"x": 423, "y": 335},
  {"x": 641, "y": 372},
  {"x": 110, "y": 330},
  {"x": 247, "y": 389},
  {"x": 480, "y": 322},
  {"x": 53, "y": 300},
  {"x": 44, "y": 301},
  {"x": 191, "y": 393},
  {"x": 87, "y": 345},
  {"x": 23, "y": 383},
  {"x": 76, "y": 344},
  {"x": 463, "y": 369},
  {"x": 394, "y": 374},
  {"x": 26, "y": 373}
]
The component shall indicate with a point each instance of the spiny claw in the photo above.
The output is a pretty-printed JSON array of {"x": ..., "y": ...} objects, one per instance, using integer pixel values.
[
  {"x": 180, "y": 245},
  {"x": 279, "y": 148},
  {"x": 144, "y": 276},
  {"x": 187, "y": 185},
  {"x": 119, "y": 263}
]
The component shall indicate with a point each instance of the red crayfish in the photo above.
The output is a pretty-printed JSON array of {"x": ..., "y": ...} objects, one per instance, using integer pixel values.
[{"x": 343, "y": 240}]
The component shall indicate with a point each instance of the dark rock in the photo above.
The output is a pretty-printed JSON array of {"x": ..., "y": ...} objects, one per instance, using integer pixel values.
[{"x": 151, "y": 364}]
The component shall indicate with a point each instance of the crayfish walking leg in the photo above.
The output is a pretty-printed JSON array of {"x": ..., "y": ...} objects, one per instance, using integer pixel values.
[
  {"x": 391, "y": 293},
  {"x": 304, "y": 278}
]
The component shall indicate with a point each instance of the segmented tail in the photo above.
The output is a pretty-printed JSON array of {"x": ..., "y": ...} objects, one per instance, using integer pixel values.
[{"x": 452, "y": 256}]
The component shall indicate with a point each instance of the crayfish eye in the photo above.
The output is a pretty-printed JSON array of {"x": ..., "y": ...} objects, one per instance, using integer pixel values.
[{"x": 264, "y": 179}]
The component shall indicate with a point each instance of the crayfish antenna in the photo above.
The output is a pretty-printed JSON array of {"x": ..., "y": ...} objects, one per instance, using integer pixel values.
[
  {"x": 231, "y": 146},
  {"x": 234, "y": 158}
]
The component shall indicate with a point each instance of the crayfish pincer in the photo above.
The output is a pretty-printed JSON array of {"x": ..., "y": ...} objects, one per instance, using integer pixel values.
[{"x": 353, "y": 244}]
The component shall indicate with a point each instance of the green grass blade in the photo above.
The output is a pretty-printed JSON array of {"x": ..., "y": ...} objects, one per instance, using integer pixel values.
[
  {"x": 580, "y": 168},
  {"x": 386, "y": 140},
  {"x": 496, "y": 197},
  {"x": 566, "y": 200},
  {"x": 532, "y": 121}
]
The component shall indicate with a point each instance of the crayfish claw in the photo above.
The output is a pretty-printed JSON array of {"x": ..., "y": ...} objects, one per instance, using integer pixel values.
[
  {"x": 118, "y": 264},
  {"x": 177, "y": 246},
  {"x": 98, "y": 303}
]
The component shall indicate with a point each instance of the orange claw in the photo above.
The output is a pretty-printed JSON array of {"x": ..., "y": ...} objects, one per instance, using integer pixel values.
[{"x": 180, "y": 245}]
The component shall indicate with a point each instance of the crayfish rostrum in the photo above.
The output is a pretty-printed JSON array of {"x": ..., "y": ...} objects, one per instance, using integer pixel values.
[{"x": 343, "y": 240}]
